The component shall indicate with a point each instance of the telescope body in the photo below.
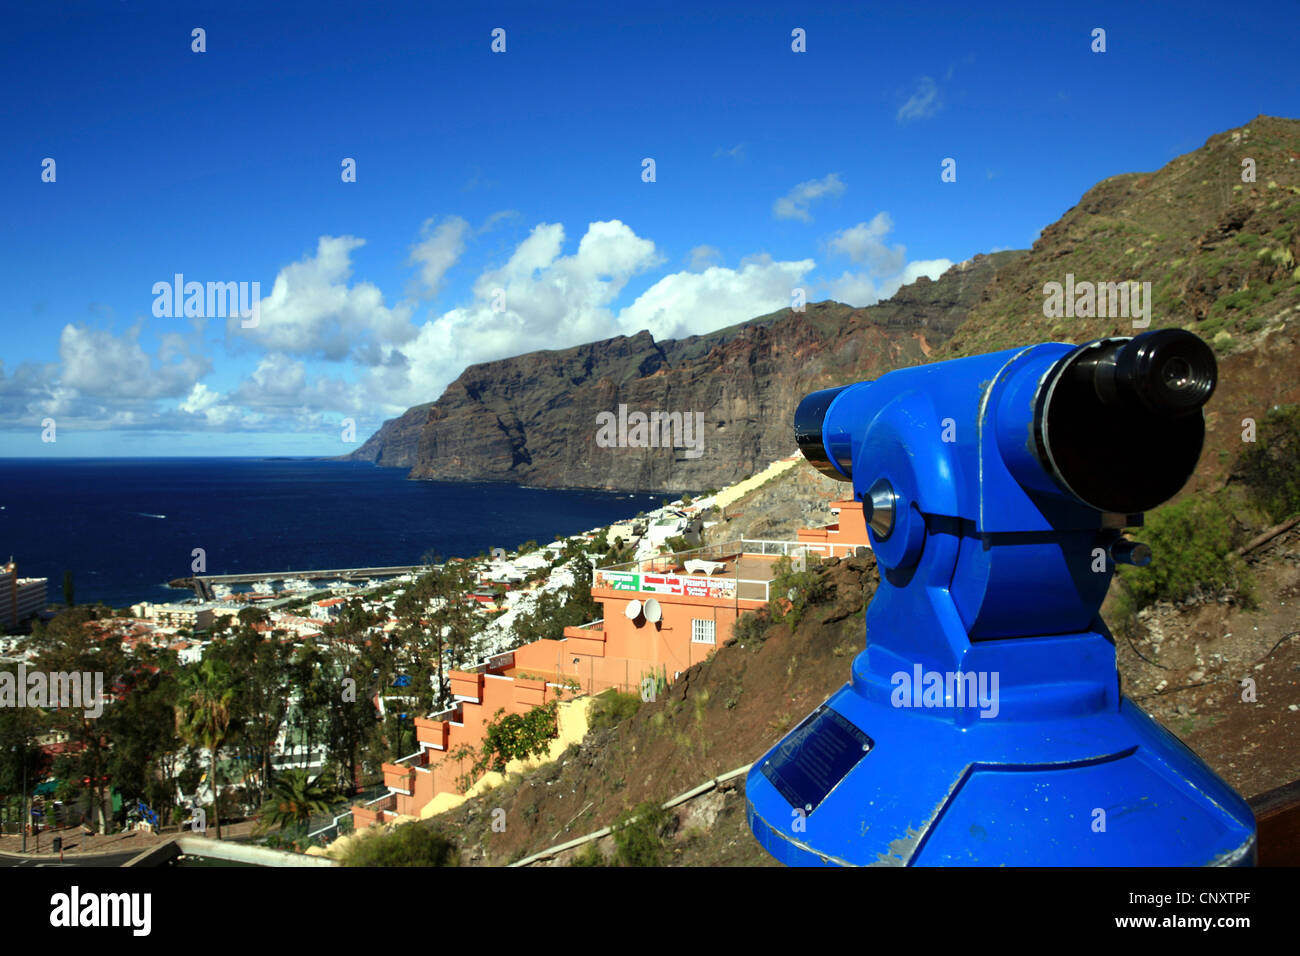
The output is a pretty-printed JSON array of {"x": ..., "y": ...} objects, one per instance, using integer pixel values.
[{"x": 983, "y": 724}]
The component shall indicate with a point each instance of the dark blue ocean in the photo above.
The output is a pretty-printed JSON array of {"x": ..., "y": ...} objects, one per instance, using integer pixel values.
[{"x": 125, "y": 527}]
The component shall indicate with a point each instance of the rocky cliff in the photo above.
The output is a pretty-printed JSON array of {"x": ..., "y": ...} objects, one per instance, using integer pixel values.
[{"x": 537, "y": 419}]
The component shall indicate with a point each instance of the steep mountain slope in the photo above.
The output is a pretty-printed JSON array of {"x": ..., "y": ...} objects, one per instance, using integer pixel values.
[
  {"x": 532, "y": 419},
  {"x": 727, "y": 711},
  {"x": 1220, "y": 255}
]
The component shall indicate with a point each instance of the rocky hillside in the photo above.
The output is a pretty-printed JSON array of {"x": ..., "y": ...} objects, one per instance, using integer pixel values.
[
  {"x": 1220, "y": 255},
  {"x": 532, "y": 419},
  {"x": 1184, "y": 668}
]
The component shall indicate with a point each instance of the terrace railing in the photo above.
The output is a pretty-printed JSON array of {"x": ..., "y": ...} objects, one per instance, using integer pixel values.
[{"x": 734, "y": 548}]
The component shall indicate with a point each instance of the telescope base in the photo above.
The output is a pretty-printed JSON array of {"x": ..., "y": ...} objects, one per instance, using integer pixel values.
[{"x": 861, "y": 782}]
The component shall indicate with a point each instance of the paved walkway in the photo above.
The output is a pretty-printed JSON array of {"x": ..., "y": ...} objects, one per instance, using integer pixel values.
[{"x": 77, "y": 844}]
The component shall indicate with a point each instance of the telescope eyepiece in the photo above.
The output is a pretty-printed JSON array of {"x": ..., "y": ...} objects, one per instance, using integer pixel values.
[{"x": 1169, "y": 371}]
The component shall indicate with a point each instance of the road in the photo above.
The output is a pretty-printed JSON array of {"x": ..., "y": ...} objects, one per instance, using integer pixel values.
[{"x": 78, "y": 859}]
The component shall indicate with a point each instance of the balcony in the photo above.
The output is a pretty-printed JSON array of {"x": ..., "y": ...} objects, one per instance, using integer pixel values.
[
  {"x": 586, "y": 638},
  {"x": 399, "y": 777},
  {"x": 737, "y": 571},
  {"x": 373, "y": 812}
]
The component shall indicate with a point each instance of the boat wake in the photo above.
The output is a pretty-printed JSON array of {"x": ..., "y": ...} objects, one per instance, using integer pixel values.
[{"x": 145, "y": 514}]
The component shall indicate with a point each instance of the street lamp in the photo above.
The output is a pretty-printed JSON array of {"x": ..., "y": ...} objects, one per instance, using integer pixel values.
[{"x": 24, "y": 816}]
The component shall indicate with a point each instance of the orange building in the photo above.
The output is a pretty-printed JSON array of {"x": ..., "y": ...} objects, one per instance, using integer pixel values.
[
  {"x": 842, "y": 538},
  {"x": 662, "y": 615},
  {"x": 439, "y": 764}
]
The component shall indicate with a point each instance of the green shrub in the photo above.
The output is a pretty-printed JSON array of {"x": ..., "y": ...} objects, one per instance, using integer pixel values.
[
  {"x": 1191, "y": 544},
  {"x": 800, "y": 589},
  {"x": 590, "y": 856},
  {"x": 751, "y": 627},
  {"x": 612, "y": 708},
  {"x": 411, "y": 844},
  {"x": 1271, "y": 466},
  {"x": 639, "y": 834},
  {"x": 677, "y": 543},
  {"x": 517, "y": 737}
]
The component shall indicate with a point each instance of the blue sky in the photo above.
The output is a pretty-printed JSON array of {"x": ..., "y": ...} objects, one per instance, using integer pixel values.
[{"x": 522, "y": 171}]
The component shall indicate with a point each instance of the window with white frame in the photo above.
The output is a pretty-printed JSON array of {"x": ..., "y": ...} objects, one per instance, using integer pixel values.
[{"x": 703, "y": 632}]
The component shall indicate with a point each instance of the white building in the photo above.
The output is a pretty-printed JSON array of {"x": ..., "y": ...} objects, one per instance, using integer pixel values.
[
  {"x": 328, "y": 609},
  {"x": 196, "y": 617},
  {"x": 20, "y": 598}
]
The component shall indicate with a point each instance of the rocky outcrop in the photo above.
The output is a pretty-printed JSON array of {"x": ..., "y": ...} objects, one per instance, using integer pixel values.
[{"x": 537, "y": 419}]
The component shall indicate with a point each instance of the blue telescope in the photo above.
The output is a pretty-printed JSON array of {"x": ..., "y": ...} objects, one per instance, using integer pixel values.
[{"x": 983, "y": 724}]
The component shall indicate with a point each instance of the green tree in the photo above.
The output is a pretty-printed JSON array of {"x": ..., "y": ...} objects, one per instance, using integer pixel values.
[
  {"x": 205, "y": 716},
  {"x": 145, "y": 753},
  {"x": 261, "y": 672},
  {"x": 1271, "y": 466},
  {"x": 21, "y": 760},
  {"x": 510, "y": 737},
  {"x": 69, "y": 645},
  {"x": 349, "y": 713},
  {"x": 69, "y": 592},
  {"x": 292, "y": 800}
]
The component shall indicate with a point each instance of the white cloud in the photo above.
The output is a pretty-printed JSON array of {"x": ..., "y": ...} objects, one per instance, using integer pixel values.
[
  {"x": 553, "y": 301},
  {"x": 497, "y": 217},
  {"x": 736, "y": 152},
  {"x": 99, "y": 364},
  {"x": 315, "y": 314},
  {"x": 550, "y": 301},
  {"x": 690, "y": 303},
  {"x": 702, "y": 257},
  {"x": 439, "y": 251},
  {"x": 886, "y": 267},
  {"x": 859, "y": 289},
  {"x": 795, "y": 204},
  {"x": 864, "y": 244},
  {"x": 855, "y": 288},
  {"x": 312, "y": 311},
  {"x": 924, "y": 102}
]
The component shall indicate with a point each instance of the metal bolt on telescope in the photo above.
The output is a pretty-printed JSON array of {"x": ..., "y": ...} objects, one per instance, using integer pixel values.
[{"x": 983, "y": 724}]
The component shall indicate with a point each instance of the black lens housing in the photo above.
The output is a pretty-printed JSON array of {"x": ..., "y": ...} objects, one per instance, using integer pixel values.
[
  {"x": 808, "y": 420},
  {"x": 1118, "y": 422}
]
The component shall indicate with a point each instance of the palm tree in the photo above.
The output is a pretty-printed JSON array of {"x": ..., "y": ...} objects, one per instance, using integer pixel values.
[
  {"x": 204, "y": 715},
  {"x": 294, "y": 798}
]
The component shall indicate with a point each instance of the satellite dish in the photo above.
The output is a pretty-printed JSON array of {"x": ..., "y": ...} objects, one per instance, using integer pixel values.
[
  {"x": 652, "y": 611},
  {"x": 633, "y": 610}
]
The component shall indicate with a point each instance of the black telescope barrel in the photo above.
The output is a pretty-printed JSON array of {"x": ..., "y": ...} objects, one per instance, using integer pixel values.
[
  {"x": 808, "y": 420},
  {"x": 1118, "y": 424}
]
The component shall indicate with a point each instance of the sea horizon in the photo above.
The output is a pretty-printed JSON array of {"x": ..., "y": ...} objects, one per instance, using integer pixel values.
[{"x": 125, "y": 526}]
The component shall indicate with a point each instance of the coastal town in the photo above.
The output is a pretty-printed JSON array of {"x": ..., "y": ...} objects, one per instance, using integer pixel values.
[{"x": 659, "y": 600}]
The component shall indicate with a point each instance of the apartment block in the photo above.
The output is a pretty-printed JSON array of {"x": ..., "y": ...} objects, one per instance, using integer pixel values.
[{"x": 20, "y": 598}]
